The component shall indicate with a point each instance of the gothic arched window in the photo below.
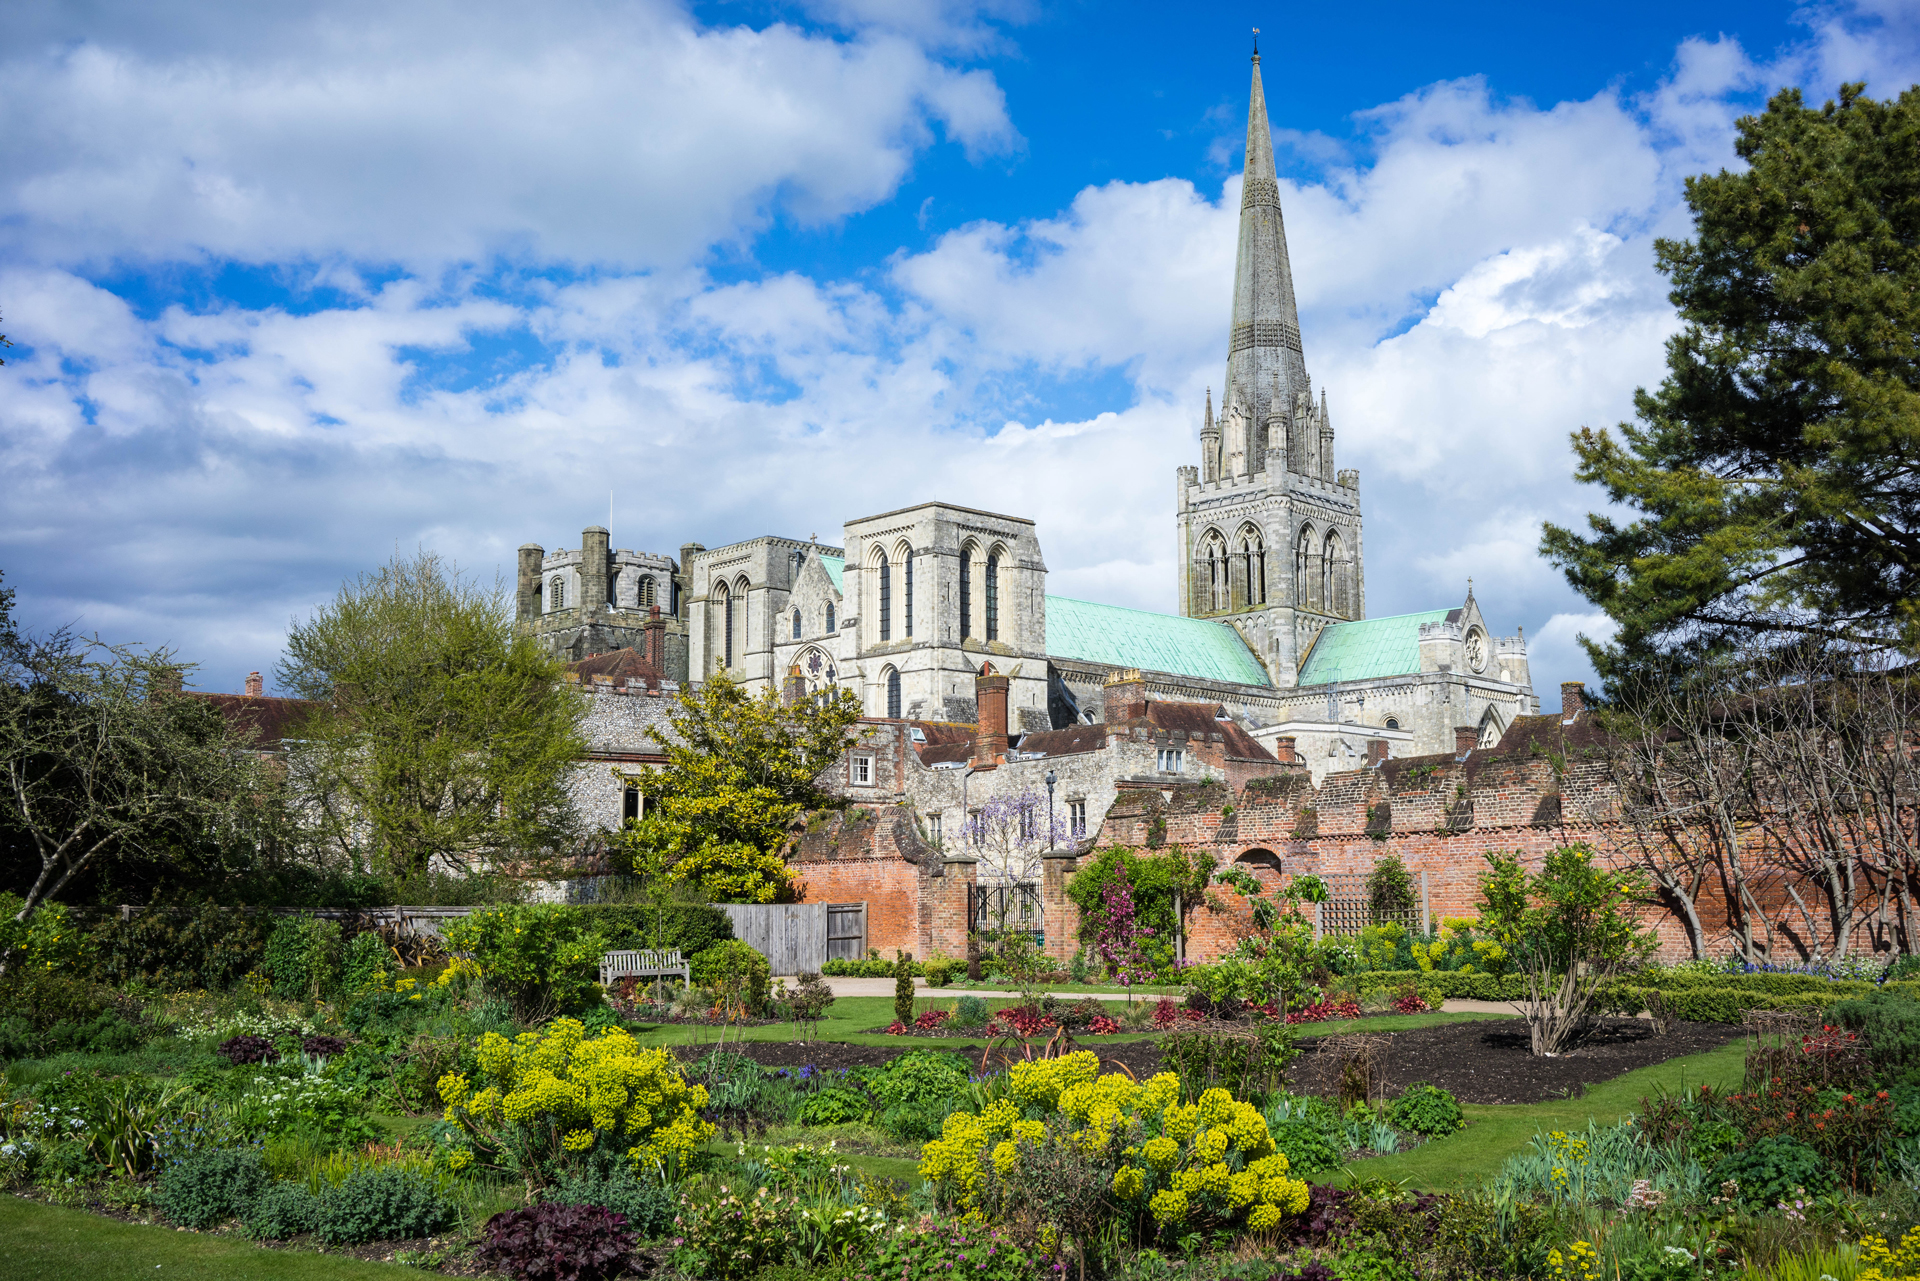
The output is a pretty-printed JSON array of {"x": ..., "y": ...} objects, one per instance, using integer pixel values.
[
  {"x": 1253, "y": 551},
  {"x": 1219, "y": 584},
  {"x": 966, "y": 591},
  {"x": 796, "y": 624},
  {"x": 992, "y": 584},
  {"x": 906, "y": 603},
  {"x": 893, "y": 693},
  {"x": 725, "y": 599},
  {"x": 829, "y": 617},
  {"x": 886, "y": 597},
  {"x": 1334, "y": 576},
  {"x": 1304, "y": 569},
  {"x": 557, "y": 593},
  {"x": 649, "y": 592}
]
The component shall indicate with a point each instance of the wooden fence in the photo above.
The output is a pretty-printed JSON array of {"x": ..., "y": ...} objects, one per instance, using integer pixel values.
[{"x": 798, "y": 938}]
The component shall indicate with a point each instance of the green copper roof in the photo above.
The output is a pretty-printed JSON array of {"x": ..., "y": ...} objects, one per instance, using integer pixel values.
[
  {"x": 1368, "y": 648},
  {"x": 1153, "y": 642},
  {"x": 835, "y": 567}
]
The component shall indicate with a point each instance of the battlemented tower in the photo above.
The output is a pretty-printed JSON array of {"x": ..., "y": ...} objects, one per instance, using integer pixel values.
[{"x": 1269, "y": 530}]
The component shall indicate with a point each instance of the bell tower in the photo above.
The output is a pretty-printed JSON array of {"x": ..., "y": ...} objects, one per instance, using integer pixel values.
[{"x": 1269, "y": 530}]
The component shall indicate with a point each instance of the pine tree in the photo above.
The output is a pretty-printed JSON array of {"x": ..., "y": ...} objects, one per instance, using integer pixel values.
[{"x": 1776, "y": 471}]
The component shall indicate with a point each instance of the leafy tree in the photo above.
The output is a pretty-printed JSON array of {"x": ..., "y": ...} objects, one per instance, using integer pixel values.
[
  {"x": 102, "y": 757},
  {"x": 441, "y": 737},
  {"x": 1568, "y": 928},
  {"x": 1156, "y": 883},
  {"x": 740, "y": 771},
  {"x": 1776, "y": 471}
]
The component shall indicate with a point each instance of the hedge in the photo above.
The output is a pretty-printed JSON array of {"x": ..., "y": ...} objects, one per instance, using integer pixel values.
[
  {"x": 691, "y": 928},
  {"x": 1452, "y": 984},
  {"x": 869, "y": 969}
]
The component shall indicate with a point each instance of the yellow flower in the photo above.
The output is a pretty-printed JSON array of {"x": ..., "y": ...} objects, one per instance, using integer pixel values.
[{"x": 1168, "y": 1206}]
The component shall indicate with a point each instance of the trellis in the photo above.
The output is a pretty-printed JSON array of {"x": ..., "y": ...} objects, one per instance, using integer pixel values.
[{"x": 1347, "y": 910}]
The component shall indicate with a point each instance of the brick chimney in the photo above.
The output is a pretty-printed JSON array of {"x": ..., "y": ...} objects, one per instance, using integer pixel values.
[
  {"x": 1376, "y": 753},
  {"x": 254, "y": 685},
  {"x": 1573, "y": 699},
  {"x": 1125, "y": 695},
  {"x": 656, "y": 641},
  {"x": 990, "y": 738},
  {"x": 1465, "y": 739},
  {"x": 1283, "y": 748}
]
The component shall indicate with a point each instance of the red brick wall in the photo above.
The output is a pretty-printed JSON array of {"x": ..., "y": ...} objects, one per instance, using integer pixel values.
[{"x": 917, "y": 901}]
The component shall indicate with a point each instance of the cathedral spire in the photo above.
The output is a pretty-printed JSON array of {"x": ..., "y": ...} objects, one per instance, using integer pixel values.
[{"x": 1264, "y": 362}]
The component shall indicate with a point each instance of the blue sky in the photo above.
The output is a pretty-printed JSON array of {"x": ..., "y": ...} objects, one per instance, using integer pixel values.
[{"x": 294, "y": 286}]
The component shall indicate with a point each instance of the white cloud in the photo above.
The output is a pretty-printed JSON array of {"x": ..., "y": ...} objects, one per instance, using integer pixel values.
[
  {"x": 1555, "y": 655},
  {"x": 439, "y": 132},
  {"x": 1475, "y": 290}
]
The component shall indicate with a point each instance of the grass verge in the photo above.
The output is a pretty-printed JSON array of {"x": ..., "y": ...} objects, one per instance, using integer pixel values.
[
  {"x": 50, "y": 1243},
  {"x": 1496, "y": 1132}
]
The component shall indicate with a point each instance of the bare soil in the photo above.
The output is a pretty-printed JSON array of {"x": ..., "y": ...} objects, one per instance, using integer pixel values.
[{"x": 1478, "y": 1062}]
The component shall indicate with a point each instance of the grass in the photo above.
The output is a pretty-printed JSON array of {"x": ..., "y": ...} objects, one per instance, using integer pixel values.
[
  {"x": 49, "y": 1243},
  {"x": 849, "y": 1018},
  {"x": 1495, "y": 1133}
]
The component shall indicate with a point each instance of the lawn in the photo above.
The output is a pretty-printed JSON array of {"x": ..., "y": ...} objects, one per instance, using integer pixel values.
[
  {"x": 49, "y": 1243},
  {"x": 849, "y": 1017},
  {"x": 1495, "y": 1133}
]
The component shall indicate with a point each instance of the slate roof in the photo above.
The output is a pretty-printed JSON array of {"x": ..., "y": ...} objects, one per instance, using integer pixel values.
[
  {"x": 1367, "y": 648},
  {"x": 1120, "y": 637},
  {"x": 836, "y": 567}
]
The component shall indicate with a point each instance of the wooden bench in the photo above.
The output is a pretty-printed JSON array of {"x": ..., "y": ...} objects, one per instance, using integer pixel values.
[{"x": 644, "y": 964}]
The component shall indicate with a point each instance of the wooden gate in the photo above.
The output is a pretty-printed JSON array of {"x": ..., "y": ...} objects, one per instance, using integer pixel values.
[{"x": 846, "y": 931}]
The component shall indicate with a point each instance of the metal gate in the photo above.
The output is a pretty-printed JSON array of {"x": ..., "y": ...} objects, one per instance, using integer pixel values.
[
  {"x": 1347, "y": 910},
  {"x": 1013, "y": 906},
  {"x": 846, "y": 931}
]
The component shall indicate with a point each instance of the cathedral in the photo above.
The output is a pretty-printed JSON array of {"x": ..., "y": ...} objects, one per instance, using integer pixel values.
[{"x": 912, "y": 606}]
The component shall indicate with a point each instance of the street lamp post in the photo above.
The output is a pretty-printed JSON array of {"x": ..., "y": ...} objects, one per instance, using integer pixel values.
[{"x": 1052, "y": 778}]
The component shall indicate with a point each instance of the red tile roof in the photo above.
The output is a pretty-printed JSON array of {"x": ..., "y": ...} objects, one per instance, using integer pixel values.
[
  {"x": 620, "y": 667},
  {"x": 269, "y": 720}
]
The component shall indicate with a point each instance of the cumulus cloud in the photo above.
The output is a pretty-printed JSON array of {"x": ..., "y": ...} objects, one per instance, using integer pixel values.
[
  {"x": 1475, "y": 280},
  {"x": 621, "y": 135}
]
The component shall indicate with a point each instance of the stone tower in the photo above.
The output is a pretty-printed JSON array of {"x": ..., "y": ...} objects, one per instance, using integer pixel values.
[{"x": 1269, "y": 531}]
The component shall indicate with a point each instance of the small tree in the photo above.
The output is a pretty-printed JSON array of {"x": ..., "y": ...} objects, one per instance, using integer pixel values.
[
  {"x": 1568, "y": 929},
  {"x": 1390, "y": 890},
  {"x": 1117, "y": 935},
  {"x": 441, "y": 737},
  {"x": 740, "y": 772},
  {"x": 101, "y": 757},
  {"x": 903, "y": 988}
]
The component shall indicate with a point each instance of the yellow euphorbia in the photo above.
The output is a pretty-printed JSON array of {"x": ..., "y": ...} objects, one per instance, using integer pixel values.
[
  {"x": 1181, "y": 1158},
  {"x": 588, "y": 1091}
]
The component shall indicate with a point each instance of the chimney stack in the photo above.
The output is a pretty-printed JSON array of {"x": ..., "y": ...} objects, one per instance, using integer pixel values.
[
  {"x": 253, "y": 684},
  {"x": 656, "y": 642},
  {"x": 1376, "y": 753},
  {"x": 1573, "y": 699},
  {"x": 1283, "y": 748},
  {"x": 1465, "y": 738},
  {"x": 1125, "y": 695},
  {"x": 990, "y": 736}
]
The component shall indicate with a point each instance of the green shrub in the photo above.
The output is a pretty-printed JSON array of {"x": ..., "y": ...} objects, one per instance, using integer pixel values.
[
  {"x": 1776, "y": 1169},
  {"x": 1889, "y": 1020},
  {"x": 206, "y": 1188},
  {"x": 648, "y": 1205},
  {"x": 919, "y": 1078},
  {"x": 835, "y": 1105},
  {"x": 691, "y": 928},
  {"x": 42, "y": 999},
  {"x": 283, "y": 1210},
  {"x": 736, "y": 969},
  {"x": 1427, "y": 1109},
  {"x": 871, "y": 968},
  {"x": 381, "y": 1204},
  {"x": 941, "y": 969},
  {"x": 915, "y": 1122},
  {"x": 1713, "y": 1004},
  {"x": 970, "y": 1011},
  {"x": 903, "y": 989},
  {"x": 49, "y": 940},
  {"x": 180, "y": 943},
  {"x": 302, "y": 958},
  {"x": 365, "y": 963},
  {"x": 542, "y": 958},
  {"x": 1452, "y": 984},
  {"x": 954, "y": 1252},
  {"x": 1308, "y": 1135}
]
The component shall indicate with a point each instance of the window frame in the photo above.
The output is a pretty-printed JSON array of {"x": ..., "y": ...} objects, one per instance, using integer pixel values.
[{"x": 860, "y": 769}]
